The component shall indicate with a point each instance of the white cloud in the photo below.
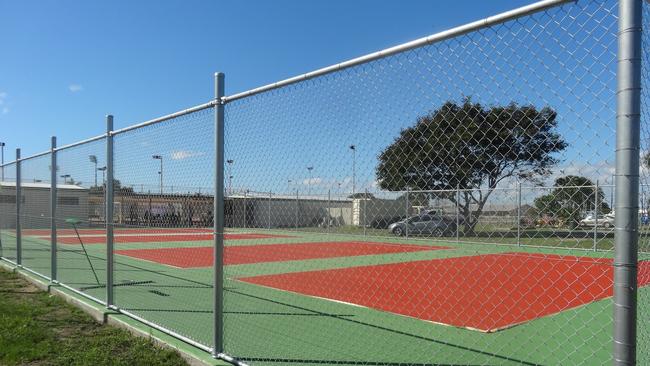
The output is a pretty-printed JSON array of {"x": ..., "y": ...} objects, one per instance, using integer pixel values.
[
  {"x": 75, "y": 88},
  {"x": 185, "y": 154},
  {"x": 601, "y": 171}
]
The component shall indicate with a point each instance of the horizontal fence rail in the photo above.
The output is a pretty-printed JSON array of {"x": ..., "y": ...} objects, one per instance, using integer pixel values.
[{"x": 476, "y": 196}]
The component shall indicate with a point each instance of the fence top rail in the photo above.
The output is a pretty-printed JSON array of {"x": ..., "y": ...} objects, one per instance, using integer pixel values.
[
  {"x": 434, "y": 38},
  {"x": 96, "y": 138},
  {"x": 196, "y": 108},
  {"x": 27, "y": 158}
]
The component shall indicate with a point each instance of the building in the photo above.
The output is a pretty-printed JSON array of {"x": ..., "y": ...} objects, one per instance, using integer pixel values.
[{"x": 72, "y": 202}]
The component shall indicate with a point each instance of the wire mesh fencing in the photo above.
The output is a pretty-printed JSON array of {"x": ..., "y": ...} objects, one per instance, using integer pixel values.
[
  {"x": 8, "y": 213},
  {"x": 457, "y": 200},
  {"x": 164, "y": 189},
  {"x": 80, "y": 220},
  {"x": 35, "y": 214},
  {"x": 643, "y": 344},
  {"x": 451, "y": 249}
]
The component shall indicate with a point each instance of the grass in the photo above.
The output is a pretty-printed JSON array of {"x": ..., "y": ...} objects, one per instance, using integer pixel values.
[{"x": 39, "y": 329}]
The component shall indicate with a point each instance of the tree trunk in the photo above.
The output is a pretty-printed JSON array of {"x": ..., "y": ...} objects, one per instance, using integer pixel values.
[{"x": 472, "y": 220}]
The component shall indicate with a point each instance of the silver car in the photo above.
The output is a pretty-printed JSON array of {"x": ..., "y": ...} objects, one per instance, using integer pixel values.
[
  {"x": 423, "y": 225},
  {"x": 602, "y": 220}
]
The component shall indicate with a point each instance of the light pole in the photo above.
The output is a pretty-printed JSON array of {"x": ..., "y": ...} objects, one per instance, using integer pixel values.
[
  {"x": 289, "y": 185},
  {"x": 159, "y": 157},
  {"x": 310, "y": 168},
  {"x": 2, "y": 156},
  {"x": 230, "y": 162},
  {"x": 65, "y": 178},
  {"x": 93, "y": 159},
  {"x": 103, "y": 170},
  {"x": 354, "y": 168}
]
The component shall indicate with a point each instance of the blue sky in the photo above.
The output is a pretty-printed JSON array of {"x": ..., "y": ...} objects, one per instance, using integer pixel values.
[{"x": 66, "y": 64}]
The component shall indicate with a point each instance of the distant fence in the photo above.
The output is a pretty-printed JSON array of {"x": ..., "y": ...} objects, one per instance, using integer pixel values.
[{"x": 477, "y": 196}]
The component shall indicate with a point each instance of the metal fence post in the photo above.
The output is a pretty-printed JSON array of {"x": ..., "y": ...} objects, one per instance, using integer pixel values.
[
  {"x": 365, "y": 212},
  {"x": 297, "y": 209},
  {"x": 245, "y": 210},
  {"x": 329, "y": 208},
  {"x": 109, "y": 211},
  {"x": 218, "y": 222},
  {"x": 518, "y": 213},
  {"x": 19, "y": 202},
  {"x": 457, "y": 214},
  {"x": 596, "y": 216},
  {"x": 150, "y": 209},
  {"x": 53, "y": 253},
  {"x": 406, "y": 222},
  {"x": 628, "y": 118},
  {"x": 270, "y": 201}
]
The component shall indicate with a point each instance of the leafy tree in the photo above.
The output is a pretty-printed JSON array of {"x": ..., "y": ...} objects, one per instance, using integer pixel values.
[
  {"x": 117, "y": 187},
  {"x": 471, "y": 147},
  {"x": 571, "y": 199},
  {"x": 362, "y": 195}
]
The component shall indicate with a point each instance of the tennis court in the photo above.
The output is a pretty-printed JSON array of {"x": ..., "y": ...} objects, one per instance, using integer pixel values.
[
  {"x": 151, "y": 237},
  {"x": 248, "y": 254},
  {"x": 455, "y": 298}
]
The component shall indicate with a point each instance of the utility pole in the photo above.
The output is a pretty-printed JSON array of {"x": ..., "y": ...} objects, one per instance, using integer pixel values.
[
  {"x": 159, "y": 157},
  {"x": 310, "y": 168}
]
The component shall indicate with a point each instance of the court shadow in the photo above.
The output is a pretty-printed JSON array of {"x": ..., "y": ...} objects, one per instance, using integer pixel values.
[{"x": 374, "y": 326}]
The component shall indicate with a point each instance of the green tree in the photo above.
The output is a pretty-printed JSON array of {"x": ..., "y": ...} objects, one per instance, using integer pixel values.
[
  {"x": 117, "y": 187},
  {"x": 572, "y": 197},
  {"x": 471, "y": 147}
]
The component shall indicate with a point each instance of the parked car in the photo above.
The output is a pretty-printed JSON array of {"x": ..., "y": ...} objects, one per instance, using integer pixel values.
[
  {"x": 424, "y": 225},
  {"x": 600, "y": 220},
  {"x": 384, "y": 222}
]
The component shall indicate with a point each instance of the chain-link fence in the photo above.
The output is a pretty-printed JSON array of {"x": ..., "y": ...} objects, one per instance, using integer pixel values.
[
  {"x": 467, "y": 198},
  {"x": 164, "y": 189},
  {"x": 8, "y": 216}
]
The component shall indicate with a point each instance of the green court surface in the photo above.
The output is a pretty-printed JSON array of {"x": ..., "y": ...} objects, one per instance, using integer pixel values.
[{"x": 270, "y": 326}]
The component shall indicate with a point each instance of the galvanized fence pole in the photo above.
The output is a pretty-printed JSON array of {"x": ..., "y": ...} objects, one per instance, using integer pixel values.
[
  {"x": 596, "y": 216},
  {"x": 457, "y": 214},
  {"x": 329, "y": 210},
  {"x": 518, "y": 213},
  {"x": 628, "y": 118},
  {"x": 53, "y": 171},
  {"x": 245, "y": 210},
  {"x": 218, "y": 222},
  {"x": 270, "y": 202},
  {"x": 297, "y": 209},
  {"x": 150, "y": 209},
  {"x": 365, "y": 212},
  {"x": 406, "y": 220},
  {"x": 19, "y": 202},
  {"x": 109, "y": 211}
]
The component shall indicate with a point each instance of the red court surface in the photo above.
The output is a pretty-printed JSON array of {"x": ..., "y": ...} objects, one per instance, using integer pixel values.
[
  {"x": 247, "y": 254},
  {"x": 486, "y": 293},
  {"x": 44, "y": 232},
  {"x": 153, "y": 238}
]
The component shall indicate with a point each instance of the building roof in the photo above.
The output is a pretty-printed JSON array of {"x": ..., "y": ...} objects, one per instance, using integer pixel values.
[{"x": 42, "y": 185}]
